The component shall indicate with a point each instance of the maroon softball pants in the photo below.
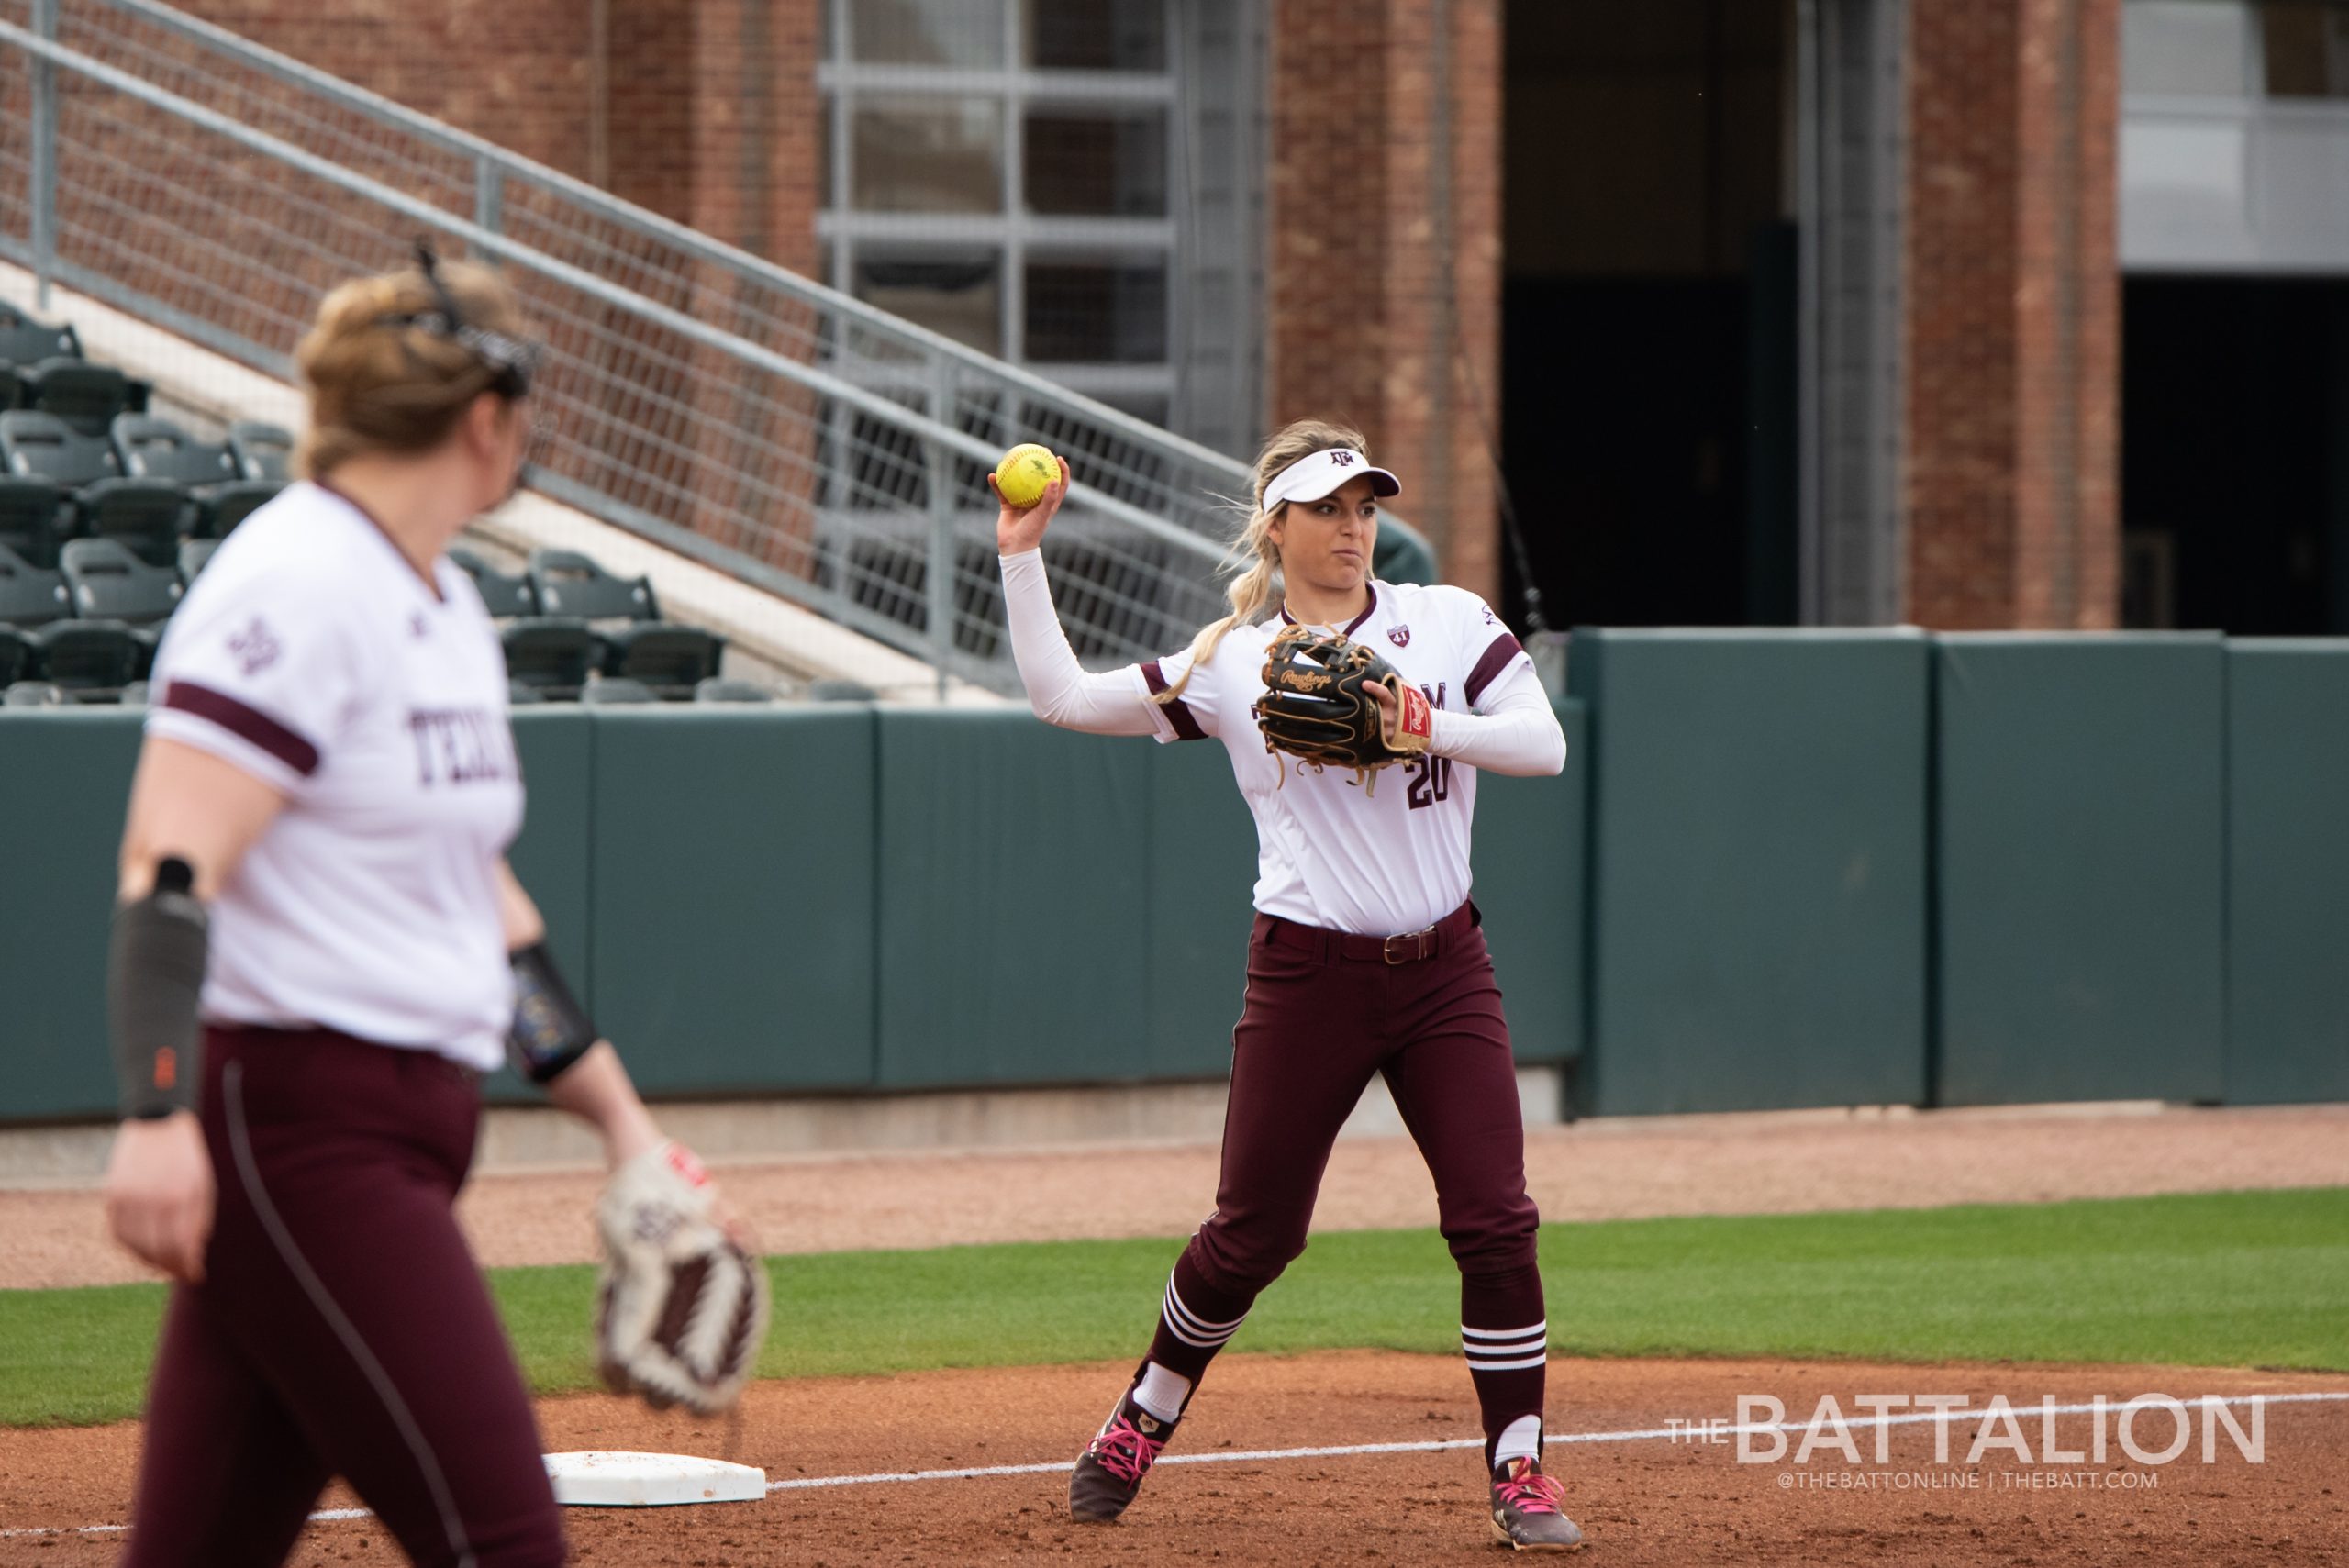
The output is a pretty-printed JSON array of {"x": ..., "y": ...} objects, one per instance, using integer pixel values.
[
  {"x": 1324, "y": 1013},
  {"x": 342, "y": 1326}
]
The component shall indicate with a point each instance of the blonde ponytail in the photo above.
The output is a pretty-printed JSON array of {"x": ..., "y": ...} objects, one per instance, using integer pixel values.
[{"x": 1259, "y": 580}]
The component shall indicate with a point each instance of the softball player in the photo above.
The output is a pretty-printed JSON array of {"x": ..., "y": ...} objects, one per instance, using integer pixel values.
[
  {"x": 319, "y": 953},
  {"x": 1366, "y": 956}
]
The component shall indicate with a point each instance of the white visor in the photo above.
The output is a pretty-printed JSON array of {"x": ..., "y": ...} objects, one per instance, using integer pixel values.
[{"x": 1312, "y": 478}]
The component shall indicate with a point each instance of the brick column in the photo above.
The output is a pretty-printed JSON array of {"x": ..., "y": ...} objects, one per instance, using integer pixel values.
[
  {"x": 2012, "y": 342},
  {"x": 1385, "y": 277}
]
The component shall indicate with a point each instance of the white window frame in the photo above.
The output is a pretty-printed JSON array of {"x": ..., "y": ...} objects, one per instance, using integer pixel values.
[{"x": 1014, "y": 232}]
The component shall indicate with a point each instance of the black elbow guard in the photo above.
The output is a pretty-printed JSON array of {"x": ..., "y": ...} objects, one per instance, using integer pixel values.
[
  {"x": 551, "y": 1030},
  {"x": 154, "y": 984}
]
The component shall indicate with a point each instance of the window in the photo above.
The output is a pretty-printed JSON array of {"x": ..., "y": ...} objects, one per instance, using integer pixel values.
[
  {"x": 2189, "y": 46},
  {"x": 959, "y": 293},
  {"x": 2305, "y": 47},
  {"x": 999, "y": 172},
  {"x": 1097, "y": 162},
  {"x": 927, "y": 154},
  {"x": 1098, "y": 35},
  {"x": 926, "y": 32}
]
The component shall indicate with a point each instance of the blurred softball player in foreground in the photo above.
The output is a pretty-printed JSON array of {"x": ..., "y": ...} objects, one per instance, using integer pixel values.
[
  {"x": 1356, "y": 714},
  {"x": 318, "y": 952}
]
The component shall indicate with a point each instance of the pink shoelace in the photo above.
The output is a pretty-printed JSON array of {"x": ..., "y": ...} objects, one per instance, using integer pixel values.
[
  {"x": 1123, "y": 1451},
  {"x": 1530, "y": 1492}
]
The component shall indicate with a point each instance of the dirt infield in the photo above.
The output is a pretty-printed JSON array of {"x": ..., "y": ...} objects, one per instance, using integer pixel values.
[
  {"x": 1643, "y": 1501},
  {"x": 1615, "y": 1170}
]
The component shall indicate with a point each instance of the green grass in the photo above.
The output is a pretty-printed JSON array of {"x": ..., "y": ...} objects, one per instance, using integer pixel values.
[{"x": 2222, "y": 1279}]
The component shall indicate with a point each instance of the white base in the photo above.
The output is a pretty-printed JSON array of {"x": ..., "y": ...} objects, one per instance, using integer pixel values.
[{"x": 600, "y": 1478}]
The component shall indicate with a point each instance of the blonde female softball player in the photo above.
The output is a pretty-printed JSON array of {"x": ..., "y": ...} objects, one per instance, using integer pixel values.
[
  {"x": 319, "y": 951},
  {"x": 1366, "y": 956}
]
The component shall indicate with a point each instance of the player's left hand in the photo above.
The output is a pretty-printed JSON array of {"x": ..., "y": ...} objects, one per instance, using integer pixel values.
[
  {"x": 681, "y": 1303},
  {"x": 1389, "y": 715},
  {"x": 160, "y": 1193}
]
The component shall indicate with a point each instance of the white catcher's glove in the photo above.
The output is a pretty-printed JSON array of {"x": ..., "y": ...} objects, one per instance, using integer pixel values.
[{"x": 681, "y": 1311}]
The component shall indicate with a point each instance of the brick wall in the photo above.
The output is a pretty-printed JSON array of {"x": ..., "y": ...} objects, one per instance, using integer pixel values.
[
  {"x": 2011, "y": 347},
  {"x": 708, "y": 107},
  {"x": 1384, "y": 284}
]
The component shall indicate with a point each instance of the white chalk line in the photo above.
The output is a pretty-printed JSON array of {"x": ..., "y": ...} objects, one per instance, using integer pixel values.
[
  {"x": 1689, "y": 1432},
  {"x": 1692, "y": 1432}
]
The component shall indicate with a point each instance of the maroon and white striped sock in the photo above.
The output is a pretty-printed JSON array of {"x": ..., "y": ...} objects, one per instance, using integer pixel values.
[
  {"x": 1195, "y": 1320},
  {"x": 1506, "y": 1337}
]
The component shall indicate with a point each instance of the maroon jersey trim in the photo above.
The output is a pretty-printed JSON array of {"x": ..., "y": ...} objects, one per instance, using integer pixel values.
[
  {"x": 1504, "y": 647},
  {"x": 245, "y": 723},
  {"x": 1187, "y": 727}
]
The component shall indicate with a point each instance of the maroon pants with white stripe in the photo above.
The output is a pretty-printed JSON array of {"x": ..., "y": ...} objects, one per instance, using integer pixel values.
[
  {"x": 342, "y": 1328},
  {"x": 1324, "y": 1013}
]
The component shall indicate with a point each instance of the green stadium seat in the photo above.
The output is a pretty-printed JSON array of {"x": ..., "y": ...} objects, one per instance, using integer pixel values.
[
  {"x": 24, "y": 343},
  {"x": 35, "y": 518},
  {"x": 263, "y": 451},
  {"x": 106, "y": 582},
  {"x": 150, "y": 447},
  {"x": 553, "y": 655},
  {"x": 85, "y": 395},
  {"x": 570, "y": 583},
  {"x": 42, "y": 446},
  {"x": 194, "y": 554},
  {"x": 670, "y": 659},
  {"x": 147, "y": 515},
  {"x": 508, "y": 597},
  {"x": 34, "y": 693},
  {"x": 89, "y": 656},
  {"x": 30, "y": 594},
  {"x": 673, "y": 660}
]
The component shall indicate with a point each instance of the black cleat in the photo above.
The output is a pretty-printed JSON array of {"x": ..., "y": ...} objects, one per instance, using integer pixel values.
[
  {"x": 1529, "y": 1511},
  {"x": 1109, "y": 1472}
]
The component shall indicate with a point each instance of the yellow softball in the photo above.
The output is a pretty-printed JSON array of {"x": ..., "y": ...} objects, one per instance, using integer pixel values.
[{"x": 1023, "y": 473}]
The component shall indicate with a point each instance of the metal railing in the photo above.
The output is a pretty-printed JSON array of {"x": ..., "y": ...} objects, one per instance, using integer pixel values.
[{"x": 706, "y": 399}]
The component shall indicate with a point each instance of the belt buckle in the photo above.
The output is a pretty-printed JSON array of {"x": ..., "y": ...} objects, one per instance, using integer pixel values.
[{"x": 1420, "y": 936}]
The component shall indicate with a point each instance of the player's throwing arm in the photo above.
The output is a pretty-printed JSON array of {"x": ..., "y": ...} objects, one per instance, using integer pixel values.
[
  {"x": 319, "y": 951},
  {"x": 1356, "y": 715}
]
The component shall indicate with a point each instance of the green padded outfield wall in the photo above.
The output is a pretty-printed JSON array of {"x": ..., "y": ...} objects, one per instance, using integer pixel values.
[
  {"x": 1757, "y": 869},
  {"x": 1013, "y": 882},
  {"x": 2287, "y": 871},
  {"x": 555, "y": 745},
  {"x": 64, "y": 781},
  {"x": 1202, "y": 879},
  {"x": 2079, "y": 866},
  {"x": 1527, "y": 861},
  {"x": 733, "y": 882}
]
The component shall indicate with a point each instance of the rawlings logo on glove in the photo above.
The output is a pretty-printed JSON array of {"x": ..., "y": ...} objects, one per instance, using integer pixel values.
[
  {"x": 681, "y": 1311},
  {"x": 1318, "y": 707}
]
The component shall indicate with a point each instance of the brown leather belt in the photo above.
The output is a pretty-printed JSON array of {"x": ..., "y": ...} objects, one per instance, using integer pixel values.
[{"x": 1410, "y": 947}]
